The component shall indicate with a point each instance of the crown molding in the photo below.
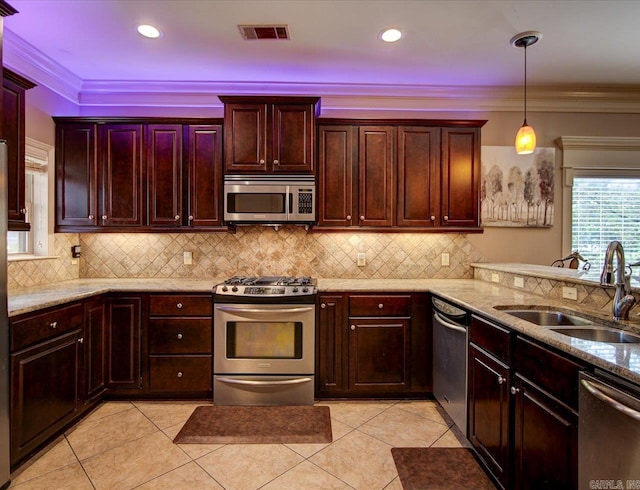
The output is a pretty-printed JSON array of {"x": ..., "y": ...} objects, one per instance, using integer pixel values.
[
  {"x": 30, "y": 62},
  {"x": 599, "y": 143}
]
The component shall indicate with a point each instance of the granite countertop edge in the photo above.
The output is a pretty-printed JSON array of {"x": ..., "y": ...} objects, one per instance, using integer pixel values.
[{"x": 477, "y": 296}]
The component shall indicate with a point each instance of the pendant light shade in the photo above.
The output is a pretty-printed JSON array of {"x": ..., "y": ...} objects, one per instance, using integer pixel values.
[{"x": 526, "y": 136}]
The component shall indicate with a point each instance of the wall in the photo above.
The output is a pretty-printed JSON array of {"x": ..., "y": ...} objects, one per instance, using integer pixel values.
[{"x": 535, "y": 246}]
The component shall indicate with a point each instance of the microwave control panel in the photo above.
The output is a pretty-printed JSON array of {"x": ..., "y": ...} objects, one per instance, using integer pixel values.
[{"x": 305, "y": 201}]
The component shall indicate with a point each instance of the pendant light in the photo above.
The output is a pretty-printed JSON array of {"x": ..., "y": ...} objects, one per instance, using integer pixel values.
[{"x": 526, "y": 137}]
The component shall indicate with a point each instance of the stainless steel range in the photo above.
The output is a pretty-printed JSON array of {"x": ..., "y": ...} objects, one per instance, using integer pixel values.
[{"x": 264, "y": 341}]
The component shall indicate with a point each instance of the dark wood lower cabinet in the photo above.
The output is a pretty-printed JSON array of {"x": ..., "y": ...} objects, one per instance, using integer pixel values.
[
  {"x": 123, "y": 368},
  {"x": 95, "y": 335},
  {"x": 44, "y": 392},
  {"x": 331, "y": 344}
]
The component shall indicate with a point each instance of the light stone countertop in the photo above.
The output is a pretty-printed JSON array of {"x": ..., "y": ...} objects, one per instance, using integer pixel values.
[{"x": 477, "y": 296}]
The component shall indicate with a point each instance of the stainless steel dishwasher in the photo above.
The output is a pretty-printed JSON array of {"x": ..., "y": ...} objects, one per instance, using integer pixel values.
[
  {"x": 450, "y": 341},
  {"x": 608, "y": 433}
]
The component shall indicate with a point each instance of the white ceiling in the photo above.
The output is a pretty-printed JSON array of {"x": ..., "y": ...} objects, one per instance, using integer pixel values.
[{"x": 90, "y": 48}]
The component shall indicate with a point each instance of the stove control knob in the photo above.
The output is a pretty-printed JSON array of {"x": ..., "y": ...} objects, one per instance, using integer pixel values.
[
  {"x": 295, "y": 289},
  {"x": 225, "y": 289},
  {"x": 305, "y": 290},
  {"x": 234, "y": 289}
]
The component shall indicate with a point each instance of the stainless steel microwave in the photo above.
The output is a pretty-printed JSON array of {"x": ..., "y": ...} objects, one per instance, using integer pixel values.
[{"x": 269, "y": 199}]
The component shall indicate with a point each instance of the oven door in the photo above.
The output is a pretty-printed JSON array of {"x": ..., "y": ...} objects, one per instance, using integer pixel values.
[{"x": 264, "y": 339}]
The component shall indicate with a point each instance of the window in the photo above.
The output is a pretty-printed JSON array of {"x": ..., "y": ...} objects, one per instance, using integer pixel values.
[{"x": 605, "y": 209}]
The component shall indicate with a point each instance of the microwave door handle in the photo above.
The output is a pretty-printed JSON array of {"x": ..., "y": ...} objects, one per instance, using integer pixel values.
[{"x": 290, "y": 193}]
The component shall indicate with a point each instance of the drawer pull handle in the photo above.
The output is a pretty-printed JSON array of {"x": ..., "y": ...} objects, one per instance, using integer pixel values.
[
  {"x": 179, "y": 336},
  {"x": 353, "y": 327},
  {"x": 179, "y": 374},
  {"x": 53, "y": 324},
  {"x": 380, "y": 306},
  {"x": 179, "y": 306},
  {"x": 501, "y": 380}
]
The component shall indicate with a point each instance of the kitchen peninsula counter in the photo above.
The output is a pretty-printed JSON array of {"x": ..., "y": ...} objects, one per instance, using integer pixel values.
[{"x": 479, "y": 297}]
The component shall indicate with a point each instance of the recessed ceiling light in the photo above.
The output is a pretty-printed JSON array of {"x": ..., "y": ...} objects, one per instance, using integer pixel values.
[
  {"x": 391, "y": 35},
  {"x": 148, "y": 31}
]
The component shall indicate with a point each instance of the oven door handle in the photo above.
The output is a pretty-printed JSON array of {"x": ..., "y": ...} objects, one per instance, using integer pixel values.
[
  {"x": 232, "y": 309},
  {"x": 263, "y": 383}
]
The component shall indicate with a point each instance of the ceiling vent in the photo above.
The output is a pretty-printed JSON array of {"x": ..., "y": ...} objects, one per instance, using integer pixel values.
[{"x": 264, "y": 31}]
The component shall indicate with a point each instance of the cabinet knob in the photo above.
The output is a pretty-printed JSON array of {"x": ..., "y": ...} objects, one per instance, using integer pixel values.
[
  {"x": 261, "y": 160},
  {"x": 361, "y": 218},
  {"x": 190, "y": 218},
  {"x": 501, "y": 380},
  {"x": 349, "y": 217},
  {"x": 276, "y": 162},
  {"x": 433, "y": 218},
  {"x": 179, "y": 306},
  {"x": 53, "y": 324},
  {"x": 104, "y": 216},
  {"x": 179, "y": 336},
  {"x": 514, "y": 390},
  {"x": 353, "y": 327},
  {"x": 179, "y": 374},
  {"x": 380, "y": 306},
  {"x": 323, "y": 306},
  {"x": 23, "y": 211},
  {"x": 446, "y": 218},
  {"x": 81, "y": 340},
  {"x": 177, "y": 217},
  {"x": 91, "y": 216}
]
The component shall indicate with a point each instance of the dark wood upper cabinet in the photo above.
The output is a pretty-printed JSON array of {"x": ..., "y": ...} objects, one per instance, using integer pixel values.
[
  {"x": 375, "y": 175},
  {"x": 164, "y": 174},
  {"x": 269, "y": 134},
  {"x": 14, "y": 89},
  {"x": 204, "y": 160}
]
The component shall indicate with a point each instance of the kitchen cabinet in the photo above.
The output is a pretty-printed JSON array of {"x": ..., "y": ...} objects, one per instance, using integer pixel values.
[
  {"x": 269, "y": 134},
  {"x": 523, "y": 417},
  {"x": 46, "y": 365},
  {"x": 401, "y": 176},
  {"x": 14, "y": 89},
  {"x": 370, "y": 345},
  {"x": 138, "y": 174},
  {"x": 95, "y": 334},
  {"x": 123, "y": 345},
  {"x": 180, "y": 344}
]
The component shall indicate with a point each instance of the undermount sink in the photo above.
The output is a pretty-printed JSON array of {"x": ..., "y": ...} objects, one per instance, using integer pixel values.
[
  {"x": 548, "y": 318},
  {"x": 598, "y": 333}
]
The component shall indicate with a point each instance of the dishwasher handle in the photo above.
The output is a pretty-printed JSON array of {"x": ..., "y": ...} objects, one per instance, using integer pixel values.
[
  {"x": 448, "y": 324},
  {"x": 598, "y": 391}
]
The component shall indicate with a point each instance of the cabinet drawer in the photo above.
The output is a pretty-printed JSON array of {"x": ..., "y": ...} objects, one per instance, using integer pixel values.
[
  {"x": 180, "y": 336},
  {"x": 372, "y": 305},
  {"x": 491, "y": 337},
  {"x": 180, "y": 373},
  {"x": 45, "y": 325},
  {"x": 555, "y": 374},
  {"x": 180, "y": 304}
]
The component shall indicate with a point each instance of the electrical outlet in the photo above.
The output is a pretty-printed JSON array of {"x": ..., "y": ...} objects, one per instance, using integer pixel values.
[
  {"x": 362, "y": 259},
  {"x": 445, "y": 260},
  {"x": 570, "y": 293},
  {"x": 495, "y": 277},
  {"x": 187, "y": 258},
  {"x": 518, "y": 282}
]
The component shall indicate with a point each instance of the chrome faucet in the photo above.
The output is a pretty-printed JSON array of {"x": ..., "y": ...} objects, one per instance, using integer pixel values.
[{"x": 623, "y": 301}]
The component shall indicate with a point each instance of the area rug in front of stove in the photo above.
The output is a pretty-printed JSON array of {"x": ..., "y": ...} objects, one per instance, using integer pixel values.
[
  {"x": 256, "y": 425},
  {"x": 439, "y": 468}
]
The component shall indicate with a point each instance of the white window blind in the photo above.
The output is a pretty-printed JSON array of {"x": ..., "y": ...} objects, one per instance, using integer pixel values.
[{"x": 603, "y": 210}]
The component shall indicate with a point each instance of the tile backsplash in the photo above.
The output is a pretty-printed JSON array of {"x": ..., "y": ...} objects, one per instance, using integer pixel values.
[{"x": 263, "y": 251}]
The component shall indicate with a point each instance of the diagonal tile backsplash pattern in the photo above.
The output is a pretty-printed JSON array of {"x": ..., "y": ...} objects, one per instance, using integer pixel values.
[{"x": 263, "y": 251}]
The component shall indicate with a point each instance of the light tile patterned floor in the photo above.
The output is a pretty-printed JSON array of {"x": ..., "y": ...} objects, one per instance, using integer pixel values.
[{"x": 124, "y": 445}]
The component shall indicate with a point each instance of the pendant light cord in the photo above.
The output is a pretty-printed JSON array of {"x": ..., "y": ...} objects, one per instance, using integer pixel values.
[{"x": 525, "y": 85}]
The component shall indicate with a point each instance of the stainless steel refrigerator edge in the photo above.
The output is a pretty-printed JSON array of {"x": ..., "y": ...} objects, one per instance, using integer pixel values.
[{"x": 4, "y": 326}]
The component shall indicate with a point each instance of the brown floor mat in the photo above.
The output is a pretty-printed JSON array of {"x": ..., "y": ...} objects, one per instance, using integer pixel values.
[
  {"x": 439, "y": 468},
  {"x": 256, "y": 425}
]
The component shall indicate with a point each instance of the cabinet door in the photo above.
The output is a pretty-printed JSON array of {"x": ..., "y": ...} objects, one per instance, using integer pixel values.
[
  {"x": 546, "y": 440},
  {"x": 204, "y": 156},
  {"x": 164, "y": 174},
  {"x": 95, "y": 341},
  {"x": 460, "y": 167},
  {"x": 488, "y": 424},
  {"x": 123, "y": 343},
  {"x": 336, "y": 191},
  {"x": 121, "y": 175},
  {"x": 76, "y": 175},
  {"x": 245, "y": 138},
  {"x": 44, "y": 392},
  {"x": 378, "y": 355},
  {"x": 375, "y": 164},
  {"x": 330, "y": 346},
  {"x": 292, "y": 138},
  {"x": 418, "y": 173}
]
